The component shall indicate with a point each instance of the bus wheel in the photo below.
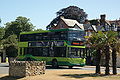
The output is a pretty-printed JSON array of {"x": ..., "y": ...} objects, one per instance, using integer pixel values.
[
  {"x": 54, "y": 64},
  {"x": 70, "y": 67}
]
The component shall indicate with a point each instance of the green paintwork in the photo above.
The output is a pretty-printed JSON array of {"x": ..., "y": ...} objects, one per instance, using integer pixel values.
[
  {"x": 45, "y": 31},
  {"x": 23, "y": 44},
  {"x": 62, "y": 61},
  {"x": 76, "y": 46},
  {"x": 32, "y": 32}
]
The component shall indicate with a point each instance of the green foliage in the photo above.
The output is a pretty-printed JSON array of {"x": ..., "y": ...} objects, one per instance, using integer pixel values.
[
  {"x": 11, "y": 45},
  {"x": 11, "y": 51},
  {"x": 9, "y": 34},
  {"x": 73, "y": 12},
  {"x": 2, "y": 32},
  {"x": 101, "y": 39},
  {"x": 38, "y": 30},
  {"x": 11, "y": 40},
  {"x": 95, "y": 40},
  {"x": 21, "y": 24}
]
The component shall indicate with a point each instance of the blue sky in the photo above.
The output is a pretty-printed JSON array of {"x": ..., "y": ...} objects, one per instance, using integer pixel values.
[{"x": 41, "y": 12}]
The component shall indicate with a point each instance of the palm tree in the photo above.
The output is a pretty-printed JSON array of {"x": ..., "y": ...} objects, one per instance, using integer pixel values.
[
  {"x": 102, "y": 41},
  {"x": 108, "y": 40},
  {"x": 95, "y": 41},
  {"x": 115, "y": 48},
  {"x": 107, "y": 59},
  {"x": 98, "y": 59},
  {"x": 114, "y": 57}
]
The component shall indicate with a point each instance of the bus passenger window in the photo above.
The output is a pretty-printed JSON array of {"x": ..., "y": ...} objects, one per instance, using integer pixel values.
[
  {"x": 20, "y": 51},
  {"x": 60, "y": 52},
  {"x": 38, "y": 38},
  {"x": 45, "y": 51},
  {"x": 73, "y": 53},
  {"x": 25, "y": 51}
]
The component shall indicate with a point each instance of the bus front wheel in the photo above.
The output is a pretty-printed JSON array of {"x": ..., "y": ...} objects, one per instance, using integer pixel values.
[{"x": 54, "y": 64}]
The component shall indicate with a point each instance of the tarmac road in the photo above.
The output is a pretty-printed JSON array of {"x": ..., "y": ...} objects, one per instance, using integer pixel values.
[{"x": 4, "y": 68}]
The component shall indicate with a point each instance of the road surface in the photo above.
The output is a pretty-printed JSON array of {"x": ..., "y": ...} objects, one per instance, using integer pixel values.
[{"x": 4, "y": 68}]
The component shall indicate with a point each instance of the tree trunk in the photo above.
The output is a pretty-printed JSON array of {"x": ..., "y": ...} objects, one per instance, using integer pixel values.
[
  {"x": 114, "y": 57},
  {"x": 3, "y": 57},
  {"x": 107, "y": 58},
  {"x": 98, "y": 58}
]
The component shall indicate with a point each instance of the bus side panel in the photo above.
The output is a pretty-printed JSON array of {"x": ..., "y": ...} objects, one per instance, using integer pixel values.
[{"x": 63, "y": 61}]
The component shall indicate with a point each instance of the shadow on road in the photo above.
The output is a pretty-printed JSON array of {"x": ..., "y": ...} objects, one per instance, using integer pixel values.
[
  {"x": 10, "y": 78},
  {"x": 4, "y": 66},
  {"x": 61, "y": 67},
  {"x": 82, "y": 75}
]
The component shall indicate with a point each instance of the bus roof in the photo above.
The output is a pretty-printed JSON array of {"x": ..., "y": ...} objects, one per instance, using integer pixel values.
[{"x": 55, "y": 30}]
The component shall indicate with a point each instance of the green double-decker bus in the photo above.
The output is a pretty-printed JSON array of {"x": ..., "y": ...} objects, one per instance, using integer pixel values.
[{"x": 61, "y": 47}]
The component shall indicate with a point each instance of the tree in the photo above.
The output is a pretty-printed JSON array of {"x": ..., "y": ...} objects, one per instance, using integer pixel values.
[
  {"x": 21, "y": 24},
  {"x": 103, "y": 41},
  {"x": 109, "y": 40},
  {"x": 12, "y": 31},
  {"x": 2, "y": 32},
  {"x": 11, "y": 45},
  {"x": 38, "y": 30},
  {"x": 95, "y": 41},
  {"x": 71, "y": 12},
  {"x": 114, "y": 60},
  {"x": 115, "y": 49},
  {"x": 115, "y": 45}
]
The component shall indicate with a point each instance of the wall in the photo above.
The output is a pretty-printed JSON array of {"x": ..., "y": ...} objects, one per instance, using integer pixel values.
[
  {"x": 118, "y": 60},
  {"x": 26, "y": 68}
]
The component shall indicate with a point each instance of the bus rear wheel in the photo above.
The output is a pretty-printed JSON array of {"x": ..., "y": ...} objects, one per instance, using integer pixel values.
[
  {"x": 54, "y": 64},
  {"x": 70, "y": 67}
]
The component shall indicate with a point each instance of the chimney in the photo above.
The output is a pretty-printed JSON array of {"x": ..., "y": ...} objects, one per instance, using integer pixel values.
[{"x": 102, "y": 17}]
